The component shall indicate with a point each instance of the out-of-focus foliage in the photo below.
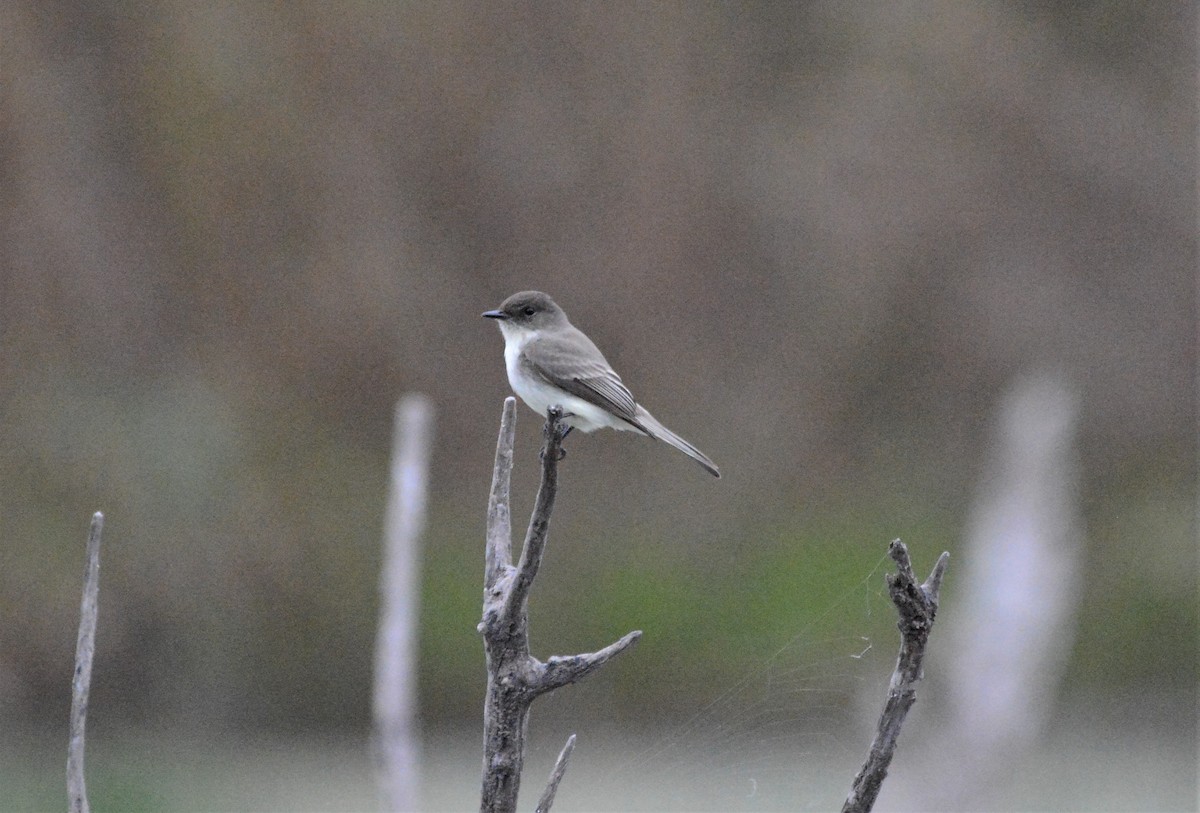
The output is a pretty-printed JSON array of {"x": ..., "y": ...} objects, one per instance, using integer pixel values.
[{"x": 818, "y": 239}]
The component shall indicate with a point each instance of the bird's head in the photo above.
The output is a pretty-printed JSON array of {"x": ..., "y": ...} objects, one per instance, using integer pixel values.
[{"x": 527, "y": 311}]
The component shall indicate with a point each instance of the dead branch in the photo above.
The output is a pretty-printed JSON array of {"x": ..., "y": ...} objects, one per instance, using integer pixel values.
[
  {"x": 516, "y": 678},
  {"x": 560, "y": 767},
  {"x": 916, "y": 605},
  {"x": 85, "y": 649}
]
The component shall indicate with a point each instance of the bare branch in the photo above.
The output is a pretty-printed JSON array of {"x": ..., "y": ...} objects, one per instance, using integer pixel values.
[
  {"x": 395, "y": 645},
  {"x": 515, "y": 678},
  {"x": 917, "y": 608},
  {"x": 560, "y": 767},
  {"x": 561, "y": 670},
  {"x": 539, "y": 524},
  {"x": 499, "y": 516},
  {"x": 85, "y": 649}
]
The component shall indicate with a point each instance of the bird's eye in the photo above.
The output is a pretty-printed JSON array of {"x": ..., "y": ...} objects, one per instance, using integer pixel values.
[{"x": 529, "y": 311}]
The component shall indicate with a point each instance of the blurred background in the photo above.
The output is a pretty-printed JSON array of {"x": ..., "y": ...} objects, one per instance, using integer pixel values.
[{"x": 822, "y": 241}]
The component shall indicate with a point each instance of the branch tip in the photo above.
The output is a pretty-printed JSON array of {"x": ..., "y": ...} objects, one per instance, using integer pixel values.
[
  {"x": 560, "y": 768},
  {"x": 899, "y": 553},
  {"x": 499, "y": 515},
  {"x": 933, "y": 585}
]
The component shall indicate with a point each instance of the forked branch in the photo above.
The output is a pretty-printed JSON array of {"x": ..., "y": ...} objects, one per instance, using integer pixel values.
[
  {"x": 917, "y": 606},
  {"x": 516, "y": 678}
]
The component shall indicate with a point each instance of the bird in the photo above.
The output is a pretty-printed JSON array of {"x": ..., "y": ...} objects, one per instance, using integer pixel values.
[{"x": 550, "y": 362}]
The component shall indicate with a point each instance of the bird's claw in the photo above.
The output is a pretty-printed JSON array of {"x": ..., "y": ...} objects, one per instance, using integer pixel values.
[
  {"x": 561, "y": 454},
  {"x": 557, "y": 418}
]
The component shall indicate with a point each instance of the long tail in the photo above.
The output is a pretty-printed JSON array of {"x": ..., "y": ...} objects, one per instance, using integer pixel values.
[{"x": 650, "y": 425}]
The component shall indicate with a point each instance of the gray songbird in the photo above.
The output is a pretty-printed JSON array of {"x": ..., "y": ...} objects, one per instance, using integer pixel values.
[{"x": 550, "y": 362}]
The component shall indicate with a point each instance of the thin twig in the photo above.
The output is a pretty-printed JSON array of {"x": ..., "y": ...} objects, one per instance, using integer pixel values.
[
  {"x": 560, "y": 767},
  {"x": 516, "y": 678},
  {"x": 85, "y": 649},
  {"x": 395, "y": 645},
  {"x": 917, "y": 607},
  {"x": 539, "y": 524}
]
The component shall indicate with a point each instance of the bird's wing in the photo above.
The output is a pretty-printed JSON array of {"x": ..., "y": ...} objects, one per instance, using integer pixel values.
[{"x": 574, "y": 364}]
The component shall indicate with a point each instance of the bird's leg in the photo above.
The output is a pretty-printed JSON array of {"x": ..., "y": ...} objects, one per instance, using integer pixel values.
[
  {"x": 561, "y": 451},
  {"x": 564, "y": 430}
]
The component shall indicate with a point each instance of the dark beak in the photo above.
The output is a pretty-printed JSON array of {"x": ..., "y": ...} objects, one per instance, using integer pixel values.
[{"x": 495, "y": 315}]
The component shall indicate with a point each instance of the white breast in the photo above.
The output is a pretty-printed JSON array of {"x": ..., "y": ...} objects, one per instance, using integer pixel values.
[{"x": 540, "y": 396}]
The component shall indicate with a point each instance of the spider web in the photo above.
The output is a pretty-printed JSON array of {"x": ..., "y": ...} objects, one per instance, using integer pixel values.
[{"x": 790, "y": 734}]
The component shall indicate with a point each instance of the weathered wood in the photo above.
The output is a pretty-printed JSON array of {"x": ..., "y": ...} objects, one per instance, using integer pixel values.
[
  {"x": 916, "y": 605},
  {"x": 81, "y": 683},
  {"x": 516, "y": 678}
]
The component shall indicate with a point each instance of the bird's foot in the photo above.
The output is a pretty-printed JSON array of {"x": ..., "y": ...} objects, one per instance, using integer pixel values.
[
  {"x": 561, "y": 454},
  {"x": 557, "y": 418}
]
